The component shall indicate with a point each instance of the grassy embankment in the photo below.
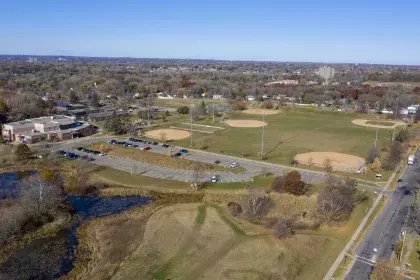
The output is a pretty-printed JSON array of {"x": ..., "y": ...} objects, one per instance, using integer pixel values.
[{"x": 189, "y": 241}]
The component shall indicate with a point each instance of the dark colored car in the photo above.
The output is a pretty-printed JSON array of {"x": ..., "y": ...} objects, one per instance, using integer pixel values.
[
  {"x": 399, "y": 180},
  {"x": 155, "y": 143},
  {"x": 177, "y": 154},
  {"x": 72, "y": 155},
  {"x": 217, "y": 162},
  {"x": 79, "y": 148},
  {"x": 183, "y": 151},
  {"x": 90, "y": 159},
  {"x": 149, "y": 142},
  {"x": 96, "y": 152},
  {"x": 165, "y": 145},
  {"x": 135, "y": 146},
  {"x": 132, "y": 139},
  {"x": 61, "y": 152}
]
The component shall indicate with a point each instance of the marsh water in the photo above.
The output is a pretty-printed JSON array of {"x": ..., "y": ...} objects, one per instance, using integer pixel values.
[{"x": 52, "y": 257}]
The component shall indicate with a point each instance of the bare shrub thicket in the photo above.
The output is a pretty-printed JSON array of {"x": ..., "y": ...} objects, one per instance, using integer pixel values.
[
  {"x": 234, "y": 208},
  {"x": 256, "y": 205},
  {"x": 336, "y": 201},
  {"x": 283, "y": 228}
]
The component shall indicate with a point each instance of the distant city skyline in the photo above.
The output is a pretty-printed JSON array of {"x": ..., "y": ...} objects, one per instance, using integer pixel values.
[{"x": 325, "y": 31}]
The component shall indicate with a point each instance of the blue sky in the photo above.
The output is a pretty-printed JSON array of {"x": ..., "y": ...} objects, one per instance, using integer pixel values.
[{"x": 371, "y": 31}]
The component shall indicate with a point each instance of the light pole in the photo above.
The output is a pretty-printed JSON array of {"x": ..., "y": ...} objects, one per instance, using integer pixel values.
[
  {"x": 262, "y": 138},
  {"x": 377, "y": 127}
]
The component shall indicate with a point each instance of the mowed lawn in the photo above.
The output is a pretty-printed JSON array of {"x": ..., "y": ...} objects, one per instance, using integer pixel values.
[{"x": 291, "y": 132}]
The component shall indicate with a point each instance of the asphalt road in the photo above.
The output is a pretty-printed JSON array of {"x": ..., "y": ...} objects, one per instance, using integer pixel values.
[
  {"x": 386, "y": 229},
  {"x": 252, "y": 167}
]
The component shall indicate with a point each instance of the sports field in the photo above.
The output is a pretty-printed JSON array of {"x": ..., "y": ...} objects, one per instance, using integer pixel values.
[{"x": 291, "y": 132}]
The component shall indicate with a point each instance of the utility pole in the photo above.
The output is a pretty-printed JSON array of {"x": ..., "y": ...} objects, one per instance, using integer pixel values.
[
  {"x": 395, "y": 119},
  {"x": 262, "y": 139},
  {"x": 191, "y": 140},
  {"x": 148, "y": 111},
  {"x": 213, "y": 112},
  {"x": 377, "y": 127}
]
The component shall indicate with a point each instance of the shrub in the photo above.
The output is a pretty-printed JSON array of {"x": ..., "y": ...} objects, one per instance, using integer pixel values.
[
  {"x": 336, "y": 201},
  {"x": 256, "y": 206},
  {"x": 23, "y": 152},
  {"x": 278, "y": 184},
  {"x": 283, "y": 228},
  {"x": 372, "y": 154},
  {"x": 183, "y": 110},
  {"x": 267, "y": 104},
  {"x": 376, "y": 165},
  {"x": 293, "y": 184},
  {"x": 234, "y": 209}
]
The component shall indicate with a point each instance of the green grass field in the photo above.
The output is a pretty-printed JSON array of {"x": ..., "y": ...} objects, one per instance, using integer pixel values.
[
  {"x": 292, "y": 131},
  {"x": 414, "y": 258}
]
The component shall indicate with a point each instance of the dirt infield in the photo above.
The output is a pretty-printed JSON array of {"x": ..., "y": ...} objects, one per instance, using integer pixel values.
[
  {"x": 245, "y": 123},
  {"x": 260, "y": 112},
  {"x": 343, "y": 162},
  {"x": 169, "y": 134},
  {"x": 364, "y": 123}
]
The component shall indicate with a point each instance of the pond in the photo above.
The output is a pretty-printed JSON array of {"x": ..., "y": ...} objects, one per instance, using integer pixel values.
[{"x": 52, "y": 257}]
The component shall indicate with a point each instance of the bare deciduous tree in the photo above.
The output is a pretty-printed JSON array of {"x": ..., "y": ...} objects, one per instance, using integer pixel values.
[
  {"x": 198, "y": 169},
  {"x": 40, "y": 197},
  {"x": 336, "y": 201},
  {"x": 283, "y": 228},
  {"x": 328, "y": 165},
  {"x": 256, "y": 205}
]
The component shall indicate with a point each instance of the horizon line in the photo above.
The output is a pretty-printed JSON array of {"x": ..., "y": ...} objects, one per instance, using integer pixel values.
[{"x": 212, "y": 59}]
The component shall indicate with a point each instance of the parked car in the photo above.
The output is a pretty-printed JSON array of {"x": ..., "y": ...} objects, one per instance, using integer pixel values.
[
  {"x": 61, "y": 152},
  {"x": 400, "y": 180},
  {"x": 102, "y": 154},
  {"x": 155, "y": 143},
  {"x": 177, "y": 154},
  {"x": 84, "y": 157},
  {"x": 79, "y": 148},
  {"x": 183, "y": 151},
  {"x": 165, "y": 145},
  {"x": 215, "y": 178},
  {"x": 131, "y": 139},
  {"x": 146, "y": 148},
  {"x": 149, "y": 142},
  {"x": 217, "y": 162},
  {"x": 234, "y": 165}
]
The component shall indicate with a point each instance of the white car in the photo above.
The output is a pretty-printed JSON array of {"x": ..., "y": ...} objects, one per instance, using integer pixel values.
[
  {"x": 215, "y": 178},
  {"x": 102, "y": 154},
  {"x": 234, "y": 164}
]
